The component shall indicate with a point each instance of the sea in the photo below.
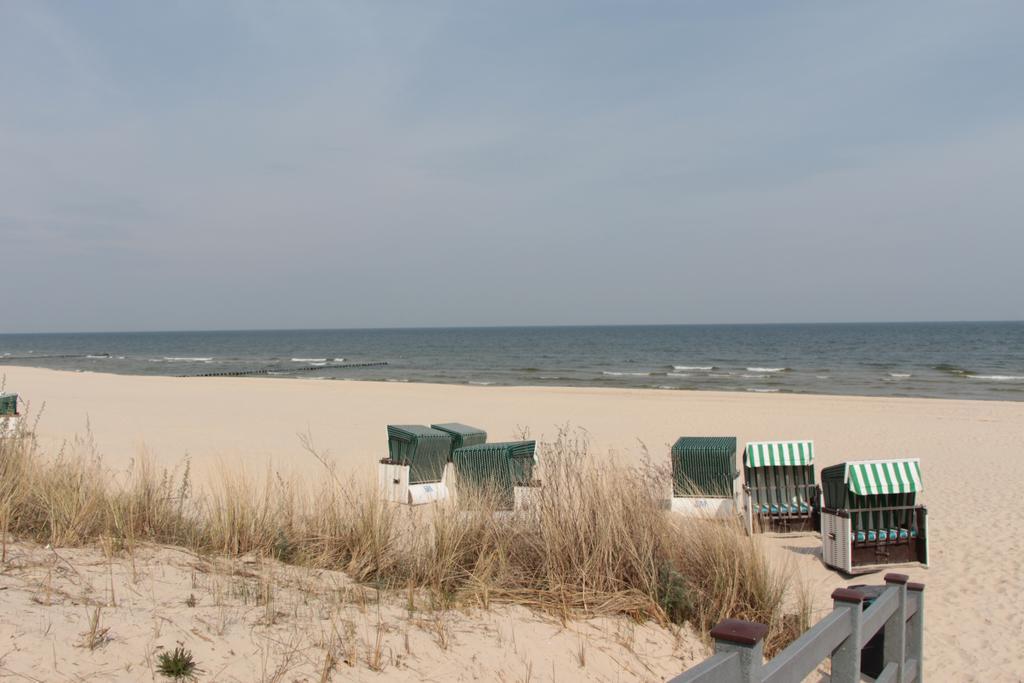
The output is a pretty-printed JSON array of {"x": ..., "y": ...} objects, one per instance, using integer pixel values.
[{"x": 968, "y": 360}]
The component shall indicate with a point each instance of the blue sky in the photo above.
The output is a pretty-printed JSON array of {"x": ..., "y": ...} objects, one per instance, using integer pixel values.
[{"x": 204, "y": 165}]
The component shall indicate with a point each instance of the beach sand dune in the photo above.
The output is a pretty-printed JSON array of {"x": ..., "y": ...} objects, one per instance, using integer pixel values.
[
  {"x": 969, "y": 450},
  {"x": 252, "y": 619}
]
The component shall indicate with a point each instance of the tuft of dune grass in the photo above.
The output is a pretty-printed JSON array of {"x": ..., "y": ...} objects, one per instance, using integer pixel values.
[{"x": 596, "y": 541}]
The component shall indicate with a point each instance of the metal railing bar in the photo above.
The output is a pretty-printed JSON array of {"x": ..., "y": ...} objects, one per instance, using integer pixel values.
[
  {"x": 805, "y": 653},
  {"x": 888, "y": 674},
  {"x": 910, "y": 672},
  {"x": 879, "y": 613},
  {"x": 913, "y": 603},
  {"x": 724, "y": 666}
]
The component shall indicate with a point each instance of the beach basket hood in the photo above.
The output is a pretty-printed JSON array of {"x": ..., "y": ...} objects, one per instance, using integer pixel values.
[
  {"x": 875, "y": 477},
  {"x": 778, "y": 453},
  {"x": 704, "y": 465},
  {"x": 425, "y": 450},
  {"x": 462, "y": 435}
]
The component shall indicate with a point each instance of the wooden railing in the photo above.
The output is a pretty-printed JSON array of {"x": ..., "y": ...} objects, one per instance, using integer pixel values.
[{"x": 898, "y": 613}]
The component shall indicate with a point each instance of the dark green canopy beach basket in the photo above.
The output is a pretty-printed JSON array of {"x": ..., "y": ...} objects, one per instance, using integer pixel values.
[
  {"x": 8, "y": 404},
  {"x": 704, "y": 466},
  {"x": 423, "y": 449},
  {"x": 462, "y": 435},
  {"x": 496, "y": 467}
]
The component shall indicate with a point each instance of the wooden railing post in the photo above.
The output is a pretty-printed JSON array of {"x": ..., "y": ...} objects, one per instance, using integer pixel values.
[
  {"x": 846, "y": 657},
  {"x": 746, "y": 639},
  {"x": 739, "y": 645},
  {"x": 895, "y": 629},
  {"x": 915, "y": 631}
]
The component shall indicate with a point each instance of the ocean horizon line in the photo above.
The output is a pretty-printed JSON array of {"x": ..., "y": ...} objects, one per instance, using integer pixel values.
[{"x": 518, "y": 327}]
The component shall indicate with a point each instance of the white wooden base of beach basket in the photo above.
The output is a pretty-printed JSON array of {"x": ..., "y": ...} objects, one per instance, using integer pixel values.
[
  {"x": 525, "y": 497},
  {"x": 9, "y": 425},
  {"x": 393, "y": 480},
  {"x": 837, "y": 546},
  {"x": 835, "y": 542},
  {"x": 711, "y": 507},
  {"x": 708, "y": 507}
]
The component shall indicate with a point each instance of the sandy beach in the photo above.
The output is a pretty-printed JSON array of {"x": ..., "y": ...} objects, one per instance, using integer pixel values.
[{"x": 969, "y": 452}]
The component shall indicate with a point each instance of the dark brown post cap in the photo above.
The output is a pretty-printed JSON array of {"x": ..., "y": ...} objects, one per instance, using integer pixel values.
[
  {"x": 896, "y": 578},
  {"x": 739, "y": 631},
  {"x": 915, "y": 586},
  {"x": 847, "y": 595}
]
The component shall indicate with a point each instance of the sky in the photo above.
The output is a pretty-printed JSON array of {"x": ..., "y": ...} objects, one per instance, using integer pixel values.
[{"x": 241, "y": 165}]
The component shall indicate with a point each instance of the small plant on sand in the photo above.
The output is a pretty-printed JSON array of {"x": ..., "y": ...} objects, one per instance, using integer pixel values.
[
  {"x": 97, "y": 635},
  {"x": 671, "y": 594},
  {"x": 177, "y": 665}
]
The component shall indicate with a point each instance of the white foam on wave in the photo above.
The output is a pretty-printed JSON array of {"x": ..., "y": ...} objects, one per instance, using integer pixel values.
[
  {"x": 677, "y": 374},
  {"x": 320, "y": 363},
  {"x": 766, "y": 369},
  {"x": 339, "y": 360},
  {"x": 397, "y": 379},
  {"x": 762, "y": 391},
  {"x": 183, "y": 359},
  {"x": 999, "y": 378},
  {"x": 625, "y": 374},
  {"x": 749, "y": 376},
  {"x": 899, "y": 375},
  {"x": 481, "y": 384},
  {"x": 823, "y": 376},
  {"x": 97, "y": 357},
  {"x": 705, "y": 368},
  {"x": 549, "y": 377},
  {"x": 309, "y": 360}
]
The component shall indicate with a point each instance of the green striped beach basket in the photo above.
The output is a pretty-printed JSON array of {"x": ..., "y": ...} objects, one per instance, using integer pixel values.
[{"x": 780, "y": 478}]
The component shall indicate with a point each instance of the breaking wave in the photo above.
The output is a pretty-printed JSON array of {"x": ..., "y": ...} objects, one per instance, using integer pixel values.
[{"x": 999, "y": 378}]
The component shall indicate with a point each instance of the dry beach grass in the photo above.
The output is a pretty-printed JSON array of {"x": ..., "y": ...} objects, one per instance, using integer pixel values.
[{"x": 597, "y": 543}]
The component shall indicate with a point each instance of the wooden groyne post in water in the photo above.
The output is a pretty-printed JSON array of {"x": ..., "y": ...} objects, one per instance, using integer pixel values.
[
  {"x": 898, "y": 613},
  {"x": 267, "y": 371}
]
